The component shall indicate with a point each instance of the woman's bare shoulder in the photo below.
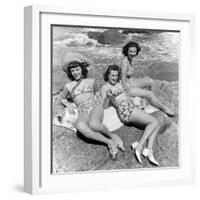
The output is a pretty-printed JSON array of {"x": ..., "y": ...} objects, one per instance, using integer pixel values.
[
  {"x": 69, "y": 85},
  {"x": 106, "y": 86},
  {"x": 124, "y": 59},
  {"x": 124, "y": 63},
  {"x": 90, "y": 79}
]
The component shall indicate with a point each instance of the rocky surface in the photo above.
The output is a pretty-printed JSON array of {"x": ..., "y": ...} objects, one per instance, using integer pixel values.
[
  {"x": 73, "y": 152},
  {"x": 131, "y": 31},
  {"x": 139, "y": 31},
  {"x": 112, "y": 37}
]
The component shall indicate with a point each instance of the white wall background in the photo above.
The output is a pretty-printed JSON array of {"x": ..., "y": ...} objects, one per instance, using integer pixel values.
[{"x": 11, "y": 101}]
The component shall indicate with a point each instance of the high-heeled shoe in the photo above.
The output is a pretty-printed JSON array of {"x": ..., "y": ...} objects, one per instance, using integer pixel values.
[
  {"x": 113, "y": 151},
  {"x": 149, "y": 154},
  {"x": 138, "y": 149},
  {"x": 119, "y": 143}
]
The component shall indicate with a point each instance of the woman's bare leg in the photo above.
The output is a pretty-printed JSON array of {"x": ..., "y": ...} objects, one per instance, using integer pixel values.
[
  {"x": 82, "y": 127},
  {"x": 148, "y": 152},
  {"x": 96, "y": 124},
  {"x": 151, "y": 123},
  {"x": 96, "y": 119},
  {"x": 143, "y": 83},
  {"x": 152, "y": 138},
  {"x": 141, "y": 117},
  {"x": 153, "y": 100}
]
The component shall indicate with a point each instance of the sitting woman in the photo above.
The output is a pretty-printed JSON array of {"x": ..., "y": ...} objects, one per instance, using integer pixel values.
[
  {"x": 81, "y": 90},
  {"x": 130, "y": 114},
  {"x": 136, "y": 86}
]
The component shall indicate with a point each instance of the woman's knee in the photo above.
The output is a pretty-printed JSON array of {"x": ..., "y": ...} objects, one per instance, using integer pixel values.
[
  {"x": 155, "y": 123},
  {"x": 151, "y": 82},
  {"x": 80, "y": 126},
  {"x": 94, "y": 125},
  {"x": 149, "y": 94}
]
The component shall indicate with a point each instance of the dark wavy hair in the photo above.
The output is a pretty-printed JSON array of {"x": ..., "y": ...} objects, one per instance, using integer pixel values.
[
  {"x": 67, "y": 68},
  {"x": 114, "y": 68},
  {"x": 128, "y": 45}
]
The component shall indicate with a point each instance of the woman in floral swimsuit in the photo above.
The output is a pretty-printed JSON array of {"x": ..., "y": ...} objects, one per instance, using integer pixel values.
[
  {"x": 129, "y": 113},
  {"x": 136, "y": 87},
  {"x": 81, "y": 90}
]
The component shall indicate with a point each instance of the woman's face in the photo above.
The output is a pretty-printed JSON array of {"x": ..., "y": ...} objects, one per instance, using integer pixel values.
[
  {"x": 113, "y": 77},
  {"x": 76, "y": 72},
  {"x": 132, "y": 52}
]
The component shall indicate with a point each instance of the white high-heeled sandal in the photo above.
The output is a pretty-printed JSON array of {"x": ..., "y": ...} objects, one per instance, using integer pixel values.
[
  {"x": 138, "y": 149},
  {"x": 149, "y": 154}
]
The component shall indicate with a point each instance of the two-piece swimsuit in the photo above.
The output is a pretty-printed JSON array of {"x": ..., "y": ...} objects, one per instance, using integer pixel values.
[{"x": 86, "y": 86}]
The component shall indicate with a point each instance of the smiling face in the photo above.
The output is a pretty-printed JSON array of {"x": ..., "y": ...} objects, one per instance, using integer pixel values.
[
  {"x": 76, "y": 72},
  {"x": 132, "y": 52},
  {"x": 113, "y": 77}
]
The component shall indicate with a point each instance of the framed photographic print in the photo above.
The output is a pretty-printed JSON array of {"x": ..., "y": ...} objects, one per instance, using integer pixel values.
[{"x": 107, "y": 102}]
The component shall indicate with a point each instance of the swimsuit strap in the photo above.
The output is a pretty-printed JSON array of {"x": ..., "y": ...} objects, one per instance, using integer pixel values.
[{"x": 73, "y": 89}]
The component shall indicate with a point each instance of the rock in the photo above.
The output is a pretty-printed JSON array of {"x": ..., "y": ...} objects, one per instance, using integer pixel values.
[
  {"x": 111, "y": 37},
  {"x": 164, "y": 71},
  {"x": 94, "y": 35},
  {"x": 167, "y": 150},
  {"x": 131, "y": 31},
  {"x": 75, "y": 153}
]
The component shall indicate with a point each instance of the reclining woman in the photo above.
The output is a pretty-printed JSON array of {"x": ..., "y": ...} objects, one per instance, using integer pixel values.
[
  {"x": 81, "y": 90},
  {"x": 136, "y": 86},
  {"x": 130, "y": 114}
]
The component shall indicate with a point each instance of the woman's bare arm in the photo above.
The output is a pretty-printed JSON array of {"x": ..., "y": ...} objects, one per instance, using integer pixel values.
[
  {"x": 65, "y": 101},
  {"x": 104, "y": 96},
  {"x": 65, "y": 93},
  {"x": 96, "y": 87},
  {"x": 123, "y": 74}
]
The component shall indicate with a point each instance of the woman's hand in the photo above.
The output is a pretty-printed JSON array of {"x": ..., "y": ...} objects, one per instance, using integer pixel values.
[
  {"x": 64, "y": 102},
  {"x": 69, "y": 107},
  {"x": 109, "y": 93},
  {"x": 98, "y": 95},
  {"x": 127, "y": 91}
]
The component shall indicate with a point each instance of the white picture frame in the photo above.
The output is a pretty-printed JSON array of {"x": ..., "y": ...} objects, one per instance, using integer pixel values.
[{"x": 37, "y": 174}]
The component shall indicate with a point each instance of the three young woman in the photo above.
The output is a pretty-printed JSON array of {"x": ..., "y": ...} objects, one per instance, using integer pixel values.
[{"x": 119, "y": 88}]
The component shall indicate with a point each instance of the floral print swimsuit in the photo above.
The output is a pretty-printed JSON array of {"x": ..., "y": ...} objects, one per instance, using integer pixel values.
[
  {"x": 86, "y": 107},
  {"x": 124, "y": 107},
  {"x": 87, "y": 86}
]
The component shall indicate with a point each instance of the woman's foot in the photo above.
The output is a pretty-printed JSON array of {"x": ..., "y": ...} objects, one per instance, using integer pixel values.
[
  {"x": 118, "y": 142},
  {"x": 149, "y": 154},
  {"x": 169, "y": 112},
  {"x": 113, "y": 150},
  {"x": 138, "y": 149}
]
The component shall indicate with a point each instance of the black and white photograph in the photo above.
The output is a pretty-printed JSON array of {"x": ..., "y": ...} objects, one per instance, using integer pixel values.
[{"x": 114, "y": 99}]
